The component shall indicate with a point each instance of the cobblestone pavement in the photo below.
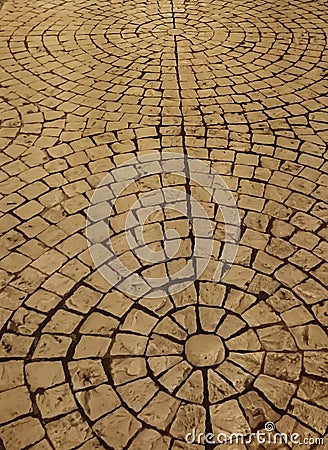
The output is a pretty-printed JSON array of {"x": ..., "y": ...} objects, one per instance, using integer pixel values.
[{"x": 88, "y": 84}]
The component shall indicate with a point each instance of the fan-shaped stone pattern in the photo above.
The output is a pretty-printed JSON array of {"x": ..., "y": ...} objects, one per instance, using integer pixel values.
[
  {"x": 166, "y": 371},
  {"x": 83, "y": 87}
]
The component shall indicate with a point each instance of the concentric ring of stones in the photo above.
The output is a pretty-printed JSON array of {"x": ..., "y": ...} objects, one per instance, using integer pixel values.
[
  {"x": 86, "y": 86},
  {"x": 133, "y": 243}
]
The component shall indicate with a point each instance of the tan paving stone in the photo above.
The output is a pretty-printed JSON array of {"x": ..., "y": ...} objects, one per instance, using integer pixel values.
[
  {"x": 12, "y": 375},
  {"x": 55, "y": 401},
  {"x": 117, "y": 428},
  {"x": 25, "y": 321},
  {"x": 91, "y": 346},
  {"x": 283, "y": 366},
  {"x": 58, "y": 284},
  {"x": 49, "y": 262},
  {"x": 52, "y": 346},
  {"x": 16, "y": 403},
  {"x": 44, "y": 374},
  {"x": 313, "y": 416},
  {"x": 43, "y": 300},
  {"x": 22, "y": 432},
  {"x": 68, "y": 431},
  {"x": 98, "y": 401},
  {"x": 12, "y": 344}
]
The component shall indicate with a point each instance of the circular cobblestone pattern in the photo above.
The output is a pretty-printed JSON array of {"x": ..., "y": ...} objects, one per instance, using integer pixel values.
[{"x": 87, "y": 85}]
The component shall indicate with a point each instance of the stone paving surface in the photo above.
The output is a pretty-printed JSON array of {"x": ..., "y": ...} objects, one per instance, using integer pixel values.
[{"x": 86, "y": 85}]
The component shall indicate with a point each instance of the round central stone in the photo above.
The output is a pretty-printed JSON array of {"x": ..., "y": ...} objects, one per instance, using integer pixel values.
[{"x": 204, "y": 350}]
